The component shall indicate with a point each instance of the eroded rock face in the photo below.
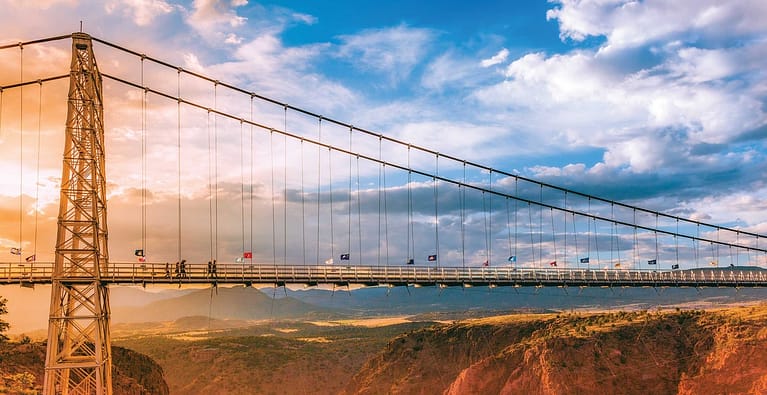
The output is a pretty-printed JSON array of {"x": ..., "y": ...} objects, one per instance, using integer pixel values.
[
  {"x": 23, "y": 365},
  {"x": 686, "y": 352}
]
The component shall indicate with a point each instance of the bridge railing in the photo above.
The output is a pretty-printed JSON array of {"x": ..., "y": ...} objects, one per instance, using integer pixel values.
[{"x": 138, "y": 273}]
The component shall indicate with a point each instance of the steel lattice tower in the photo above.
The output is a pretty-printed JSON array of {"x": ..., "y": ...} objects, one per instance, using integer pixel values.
[{"x": 78, "y": 359}]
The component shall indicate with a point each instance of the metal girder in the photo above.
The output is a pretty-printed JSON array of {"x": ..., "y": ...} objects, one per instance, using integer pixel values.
[{"x": 79, "y": 358}]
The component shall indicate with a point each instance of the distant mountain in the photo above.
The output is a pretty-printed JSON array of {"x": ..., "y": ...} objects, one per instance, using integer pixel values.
[
  {"x": 244, "y": 303},
  {"x": 236, "y": 303},
  {"x": 413, "y": 300}
]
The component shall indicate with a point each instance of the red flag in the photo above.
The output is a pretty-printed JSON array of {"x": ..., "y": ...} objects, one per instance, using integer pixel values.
[
  {"x": 553, "y": 263},
  {"x": 142, "y": 259},
  {"x": 485, "y": 263},
  {"x": 247, "y": 255}
]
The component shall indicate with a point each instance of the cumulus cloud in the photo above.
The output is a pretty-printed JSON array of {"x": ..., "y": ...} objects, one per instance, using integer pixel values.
[
  {"x": 216, "y": 20},
  {"x": 393, "y": 52},
  {"x": 627, "y": 23},
  {"x": 143, "y": 12},
  {"x": 645, "y": 117},
  {"x": 498, "y": 58}
]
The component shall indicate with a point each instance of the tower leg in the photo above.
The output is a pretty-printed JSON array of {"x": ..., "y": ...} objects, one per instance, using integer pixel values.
[{"x": 79, "y": 355}]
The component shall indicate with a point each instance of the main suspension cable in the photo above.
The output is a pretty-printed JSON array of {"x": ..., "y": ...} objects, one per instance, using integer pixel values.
[{"x": 442, "y": 178}]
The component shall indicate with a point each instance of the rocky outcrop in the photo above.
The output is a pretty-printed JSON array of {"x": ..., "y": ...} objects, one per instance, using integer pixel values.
[
  {"x": 22, "y": 368},
  {"x": 683, "y": 352}
]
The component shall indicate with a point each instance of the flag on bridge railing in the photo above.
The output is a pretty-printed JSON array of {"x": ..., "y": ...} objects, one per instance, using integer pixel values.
[
  {"x": 513, "y": 258},
  {"x": 239, "y": 259},
  {"x": 344, "y": 257},
  {"x": 486, "y": 263},
  {"x": 618, "y": 265},
  {"x": 411, "y": 261},
  {"x": 31, "y": 258},
  {"x": 141, "y": 259},
  {"x": 585, "y": 260},
  {"x": 713, "y": 263},
  {"x": 553, "y": 263},
  {"x": 674, "y": 266},
  {"x": 15, "y": 251},
  {"x": 138, "y": 252},
  {"x": 329, "y": 261},
  {"x": 432, "y": 258},
  {"x": 247, "y": 255},
  {"x": 652, "y": 262}
]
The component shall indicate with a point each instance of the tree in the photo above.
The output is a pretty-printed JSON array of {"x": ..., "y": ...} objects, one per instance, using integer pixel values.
[{"x": 3, "y": 325}]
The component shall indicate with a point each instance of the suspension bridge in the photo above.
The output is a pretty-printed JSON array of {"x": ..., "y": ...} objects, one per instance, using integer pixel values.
[{"x": 211, "y": 183}]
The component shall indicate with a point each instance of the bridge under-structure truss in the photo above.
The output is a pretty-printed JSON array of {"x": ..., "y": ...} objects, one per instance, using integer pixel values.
[{"x": 78, "y": 357}]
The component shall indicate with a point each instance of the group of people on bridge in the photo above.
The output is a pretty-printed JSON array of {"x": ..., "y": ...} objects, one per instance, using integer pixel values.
[{"x": 180, "y": 270}]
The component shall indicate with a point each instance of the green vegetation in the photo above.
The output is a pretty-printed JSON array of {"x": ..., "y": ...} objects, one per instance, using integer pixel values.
[{"x": 3, "y": 325}]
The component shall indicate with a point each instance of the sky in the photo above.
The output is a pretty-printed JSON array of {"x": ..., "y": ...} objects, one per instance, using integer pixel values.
[{"x": 655, "y": 103}]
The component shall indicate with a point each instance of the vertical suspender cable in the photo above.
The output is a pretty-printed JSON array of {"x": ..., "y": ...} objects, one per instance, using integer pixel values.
[
  {"x": 516, "y": 216},
  {"x": 636, "y": 241},
  {"x": 462, "y": 198},
  {"x": 575, "y": 241},
  {"x": 274, "y": 224},
  {"x": 242, "y": 190},
  {"x": 386, "y": 214},
  {"x": 657, "y": 258},
  {"x": 553, "y": 234},
  {"x": 409, "y": 210},
  {"x": 359, "y": 212},
  {"x": 612, "y": 230},
  {"x": 588, "y": 232},
  {"x": 303, "y": 207},
  {"x": 330, "y": 195},
  {"x": 436, "y": 210},
  {"x": 319, "y": 182},
  {"x": 252, "y": 157},
  {"x": 37, "y": 177},
  {"x": 676, "y": 241},
  {"x": 564, "y": 216},
  {"x": 380, "y": 171},
  {"x": 210, "y": 186},
  {"x": 144, "y": 104},
  {"x": 490, "y": 223},
  {"x": 540, "y": 233},
  {"x": 215, "y": 162},
  {"x": 178, "y": 150},
  {"x": 532, "y": 237},
  {"x": 285, "y": 190},
  {"x": 508, "y": 228},
  {"x": 21, "y": 148},
  {"x": 484, "y": 225},
  {"x": 596, "y": 239},
  {"x": 349, "y": 205}
]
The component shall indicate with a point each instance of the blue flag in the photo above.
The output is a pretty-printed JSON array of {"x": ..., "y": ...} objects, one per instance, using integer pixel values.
[
  {"x": 674, "y": 266},
  {"x": 513, "y": 258},
  {"x": 344, "y": 257},
  {"x": 432, "y": 258},
  {"x": 585, "y": 260},
  {"x": 652, "y": 262}
]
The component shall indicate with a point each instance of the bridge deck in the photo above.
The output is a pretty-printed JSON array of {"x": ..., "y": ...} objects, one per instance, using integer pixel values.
[{"x": 155, "y": 273}]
